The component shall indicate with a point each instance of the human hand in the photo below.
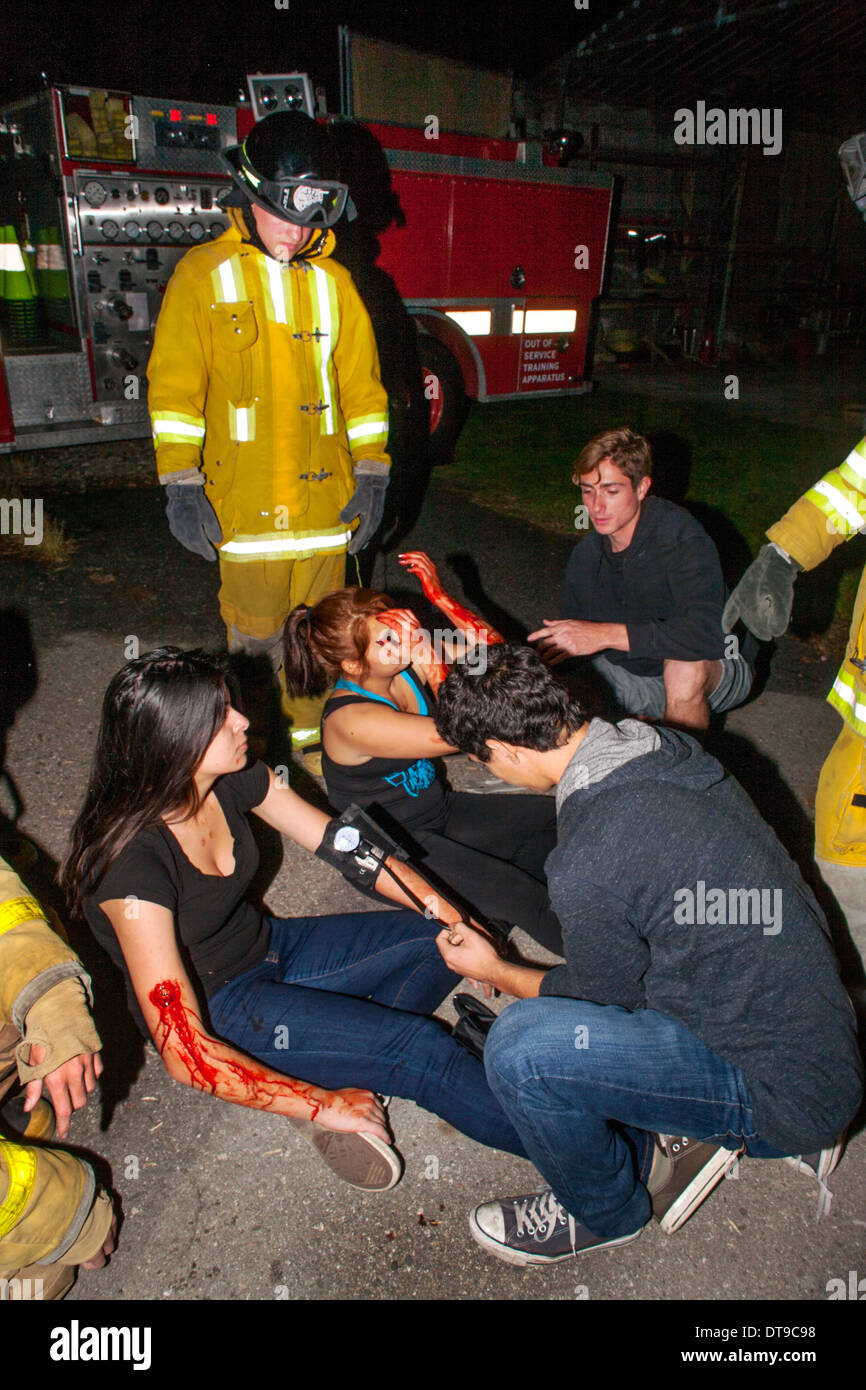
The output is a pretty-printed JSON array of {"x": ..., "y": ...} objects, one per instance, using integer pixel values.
[
  {"x": 403, "y": 619},
  {"x": 564, "y": 637},
  {"x": 67, "y": 1086},
  {"x": 353, "y": 1111},
  {"x": 192, "y": 519},
  {"x": 470, "y": 953},
  {"x": 764, "y": 597},
  {"x": 417, "y": 562}
]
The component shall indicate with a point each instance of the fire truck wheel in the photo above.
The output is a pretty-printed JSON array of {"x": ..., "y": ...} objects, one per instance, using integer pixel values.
[{"x": 443, "y": 387}]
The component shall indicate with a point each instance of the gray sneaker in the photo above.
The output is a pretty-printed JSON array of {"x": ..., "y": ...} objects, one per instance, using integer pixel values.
[
  {"x": 535, "y": 1230},
  {"x": 819, "y": 1165},
  {"x": 362, "y": 1160}
]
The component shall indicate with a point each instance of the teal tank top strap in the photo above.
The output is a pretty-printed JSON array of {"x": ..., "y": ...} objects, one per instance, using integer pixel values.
[
  {"x": 343, "y": 684},
  {"x": 409, "y": 677}
]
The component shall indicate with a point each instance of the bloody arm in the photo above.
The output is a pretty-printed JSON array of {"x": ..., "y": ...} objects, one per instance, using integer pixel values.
[
  {"x": 180, "y": 1034},
  {"x": 194, "y": 1057},
  {"x": 416, "y": 562}
]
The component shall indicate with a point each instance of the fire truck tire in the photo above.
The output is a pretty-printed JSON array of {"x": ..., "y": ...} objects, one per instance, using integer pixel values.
[{"x": 444, "y": 389}]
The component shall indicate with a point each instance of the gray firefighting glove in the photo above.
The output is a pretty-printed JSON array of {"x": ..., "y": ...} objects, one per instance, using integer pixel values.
[
  {"x": 367, "y": 501},
  {"x": 765, "y": 594},
  {"x": 192, "y": 520}
]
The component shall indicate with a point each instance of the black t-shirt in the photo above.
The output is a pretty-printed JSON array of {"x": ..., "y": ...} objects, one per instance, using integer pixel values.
[{"x": 220, "y": 934}]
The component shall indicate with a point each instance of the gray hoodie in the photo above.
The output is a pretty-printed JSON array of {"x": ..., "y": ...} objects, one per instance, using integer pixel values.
[{"x": 675, "y": 895}]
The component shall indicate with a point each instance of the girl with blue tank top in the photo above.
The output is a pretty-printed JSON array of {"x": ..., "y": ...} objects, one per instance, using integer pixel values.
[{"x": 381, "y": 751}]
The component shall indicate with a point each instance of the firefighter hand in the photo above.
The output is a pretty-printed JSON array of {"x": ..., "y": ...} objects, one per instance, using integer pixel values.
[
  {"x": 192, "y": 520},
  {"x": 354, "y": 1112},
  {"x": 67, "y": 1087},
  {"x": 764, "y": 596},
  {"x": 368, "y": 504}
]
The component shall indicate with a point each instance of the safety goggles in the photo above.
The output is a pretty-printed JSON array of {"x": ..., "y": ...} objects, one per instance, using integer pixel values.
[{"x": 306, "y": 201}]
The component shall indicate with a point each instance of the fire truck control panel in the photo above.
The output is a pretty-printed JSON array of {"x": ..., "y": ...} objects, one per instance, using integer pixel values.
[
  {"x": 131, "y": 234},
  {"x": 103, "y": 193}
]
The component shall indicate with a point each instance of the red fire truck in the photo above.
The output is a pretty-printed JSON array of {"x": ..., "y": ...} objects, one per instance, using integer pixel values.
[{"x": 498, "y": 254}]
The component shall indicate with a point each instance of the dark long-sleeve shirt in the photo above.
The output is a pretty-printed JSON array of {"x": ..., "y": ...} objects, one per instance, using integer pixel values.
[{"x": 666, "y": 587}]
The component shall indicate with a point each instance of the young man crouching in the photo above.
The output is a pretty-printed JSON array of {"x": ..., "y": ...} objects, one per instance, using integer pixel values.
[
  {"x": 644, "y": 593},
  {"x": 699, "y": 996}
]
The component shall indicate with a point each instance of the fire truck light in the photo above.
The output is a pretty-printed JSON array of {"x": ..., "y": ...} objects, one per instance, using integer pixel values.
[
  {"x": 174, "y": 114},
  {"x": 517, "y": 320},
  {"x": 212, "y": 118},
  {"x": 475, "y": 322},
  {"x": 550, "y": 321}
]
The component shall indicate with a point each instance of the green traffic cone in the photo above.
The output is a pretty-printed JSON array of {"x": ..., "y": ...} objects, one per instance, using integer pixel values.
[{"x": 20, "y": 309}]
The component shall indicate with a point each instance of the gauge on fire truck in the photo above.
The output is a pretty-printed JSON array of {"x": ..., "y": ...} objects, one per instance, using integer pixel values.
[
  {"x": 95, "y": 194},
  {"x": 131, "y": 230},
  {"x": 154, "y": 230},
  {"x": 109, "y": 229},
  {"x": 162, "y": 196},
  {"x": 175, "y": 231},
  {"x": 195, "y": 229}
]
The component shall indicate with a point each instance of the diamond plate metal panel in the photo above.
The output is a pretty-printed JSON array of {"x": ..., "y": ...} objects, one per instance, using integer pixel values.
[{"x": 49, "y": 386}]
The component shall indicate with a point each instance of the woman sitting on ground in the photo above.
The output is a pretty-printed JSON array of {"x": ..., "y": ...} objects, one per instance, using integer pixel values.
[
  {"x": 161, "y": 860},
  {"x": 381, "y": 750}
]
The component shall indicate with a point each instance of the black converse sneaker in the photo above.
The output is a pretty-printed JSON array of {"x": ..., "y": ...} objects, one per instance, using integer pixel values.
[
  {"x": 535, "y": 1230},
  {"x": 684, "y": 1174}
]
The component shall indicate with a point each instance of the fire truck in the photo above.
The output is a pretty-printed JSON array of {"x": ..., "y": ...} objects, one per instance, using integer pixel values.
[{"x": 497, "y": 254}]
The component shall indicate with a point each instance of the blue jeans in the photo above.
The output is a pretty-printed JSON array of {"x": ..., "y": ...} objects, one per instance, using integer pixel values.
[
  {"x": 341, "y": 1001},
  {"x": 587, "y": 1085}
]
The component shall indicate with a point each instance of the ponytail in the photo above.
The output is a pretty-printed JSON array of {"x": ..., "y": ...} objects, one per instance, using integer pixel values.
[
  {"x": 316, "y": 641},
  {"x": 302, "y": 671}
]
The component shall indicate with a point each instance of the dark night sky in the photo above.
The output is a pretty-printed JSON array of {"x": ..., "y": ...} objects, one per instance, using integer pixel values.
[{"x": 201, "y": 51}]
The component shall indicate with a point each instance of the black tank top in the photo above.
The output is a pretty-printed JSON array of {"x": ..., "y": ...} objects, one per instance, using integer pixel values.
[{"x": 409, "y": 790}]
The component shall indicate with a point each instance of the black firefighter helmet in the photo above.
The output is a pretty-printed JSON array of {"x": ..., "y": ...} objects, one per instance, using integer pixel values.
[{"x": 287, "y": 167}]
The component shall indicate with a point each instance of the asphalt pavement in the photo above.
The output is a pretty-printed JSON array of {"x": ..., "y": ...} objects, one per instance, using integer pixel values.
[{"x": 220, "y": 1202}]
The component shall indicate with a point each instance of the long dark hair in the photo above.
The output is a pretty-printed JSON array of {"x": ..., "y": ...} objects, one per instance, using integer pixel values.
[
  {"x": 317, "y": 640},
  {"x": 159, "y": 715}
]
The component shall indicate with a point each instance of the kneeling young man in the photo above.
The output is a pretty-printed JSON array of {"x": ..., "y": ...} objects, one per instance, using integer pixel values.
[
  {"x": 699, "y": 997},
  {"x": 644, "y": 593}
]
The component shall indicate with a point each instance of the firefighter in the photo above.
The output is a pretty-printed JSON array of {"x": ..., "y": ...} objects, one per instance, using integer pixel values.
[
  {"x": 830, "y": 512},
  {"x": 52, "y": 1217},
  {"x": 268, "y": 412}
]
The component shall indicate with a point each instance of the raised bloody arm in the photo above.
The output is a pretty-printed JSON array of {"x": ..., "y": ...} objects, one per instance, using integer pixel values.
[{"x": 416, "y": 562}]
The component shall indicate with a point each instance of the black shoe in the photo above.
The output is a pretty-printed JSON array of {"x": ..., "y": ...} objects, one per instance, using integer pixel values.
[
  {"x": 535, "y": 1230},
  {"x": 677, "y": 1187}
]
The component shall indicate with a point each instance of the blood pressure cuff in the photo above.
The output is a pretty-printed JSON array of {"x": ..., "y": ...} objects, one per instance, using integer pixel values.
[{"x": 358, "y": 847}]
